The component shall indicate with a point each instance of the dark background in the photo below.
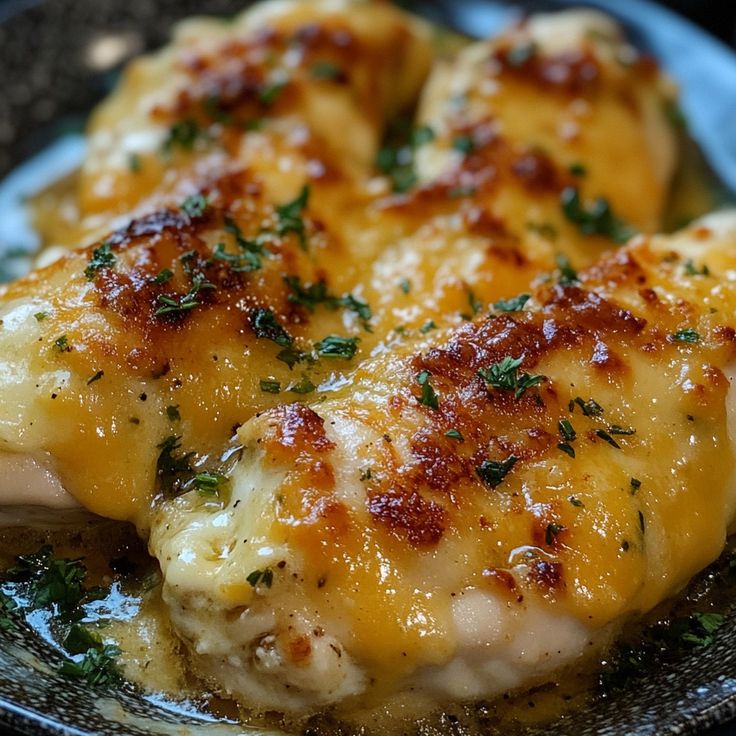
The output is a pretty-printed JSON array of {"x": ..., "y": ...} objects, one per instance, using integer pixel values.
[{"x": 718, "y": 16}]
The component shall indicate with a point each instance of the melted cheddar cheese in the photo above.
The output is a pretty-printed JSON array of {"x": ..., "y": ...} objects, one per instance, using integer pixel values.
[{"x": 408, "y": 529}]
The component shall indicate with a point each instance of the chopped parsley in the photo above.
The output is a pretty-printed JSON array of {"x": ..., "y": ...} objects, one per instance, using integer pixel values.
[
  {"x": 544, "y": 229},
  {"x": 263, "y": 577},
  {"x": 96, "y": 667},
  {"x": 195, "y": 205},
  {"x": 208, "y": 483},
  {"x": 405, "y": 285},
  {"x": 428, "y": 326},
  {"x": 270, "y": 386},
  {"x": 687, "y": 335},
  {"x": 172, "y": 412},
  {"x": 312, "y": 295},
  {"x": 703, "y": 629},
  {"x": 692, "y": 270},
  {"x": 429, "y": 395},
  {"x": 607, "y": 438},
  {"x": 40, "y": 316},
  {"x": 134, "y": 162},
  {"x": 568, "y": 434},
  {"x": 590, "y": 408},
  {"x": 454, "y": 434},
  {"x": 172, "y": 467},
  {"x": 396, "y": 157},
  {"x": 326, "y": 70},
  {"x": 51, "y": 582},
  {"x": 503, "y": 375},
  {"x": 334, "y": 346},
  {"x": 512, "y": 305},
  {"x": 635, "y": 484},
  {"x": 594, "y": 219},
  {"x": 567, "y": 274},
  {"x": 251, "y": 251},
  {"x": 179, "y": 304},
  {"x": 576, "y": 502},
  {"x": 493, "y": 472},
  {"x": 291, "y": 356},
  {"x": 183, "y": 134},
  {"x": 366, "y": 474},
  {"x": 95, "y": 378},
  {"x": 265, "y": 325},
  {"x": 577, "y": 169},
  {"x": 464, "y": 144},
  {"x": 7, "y": 606},
  {"x": 361, "y": 309},
  {"x": 302, "y": 386},
  {"x": 62, "y": 344},
  {"x": 551, "y": 533},
  {"x": 270, "y": 93},
  {"x": 164, "y": 275},
  {"x": 475, "y": 304},
  {"x": 102, "y": 257},
  {"x": 622, "y": 431},
  {"x": 290, "y": 218}
]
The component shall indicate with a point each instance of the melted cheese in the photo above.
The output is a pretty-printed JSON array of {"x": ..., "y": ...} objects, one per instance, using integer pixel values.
[{"x": 381, "y": 533}]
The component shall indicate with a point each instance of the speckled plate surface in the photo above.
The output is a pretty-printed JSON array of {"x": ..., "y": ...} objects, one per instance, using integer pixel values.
[{"x": 59, "y": 57}]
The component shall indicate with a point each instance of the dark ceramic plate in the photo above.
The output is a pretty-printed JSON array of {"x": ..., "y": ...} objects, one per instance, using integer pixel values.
[{"x": 52, "y": 72}]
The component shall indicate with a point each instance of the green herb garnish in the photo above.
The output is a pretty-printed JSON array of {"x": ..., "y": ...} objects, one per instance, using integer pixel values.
[
  {"x": 512, "y": 305},
  {"x": 102, "y": 257},
  {"x": 195, "y": 205},
  {"x": 269, "y": 386},
  {"x": 429, "y": 396},
  {"x": 594, "y": 219},
  {"x": 503, "y": 375},
  {"x": 334, "y": 346},
  {"x": 290, "y": 218},
  {"x": 172, "y": 467},
  {"x": 687, "y": 335},
  {"x": 551, "y": 533},
  {"x": 265, "y": 325},
  {"x": 493, "y": 472},
  {"x": 264, "y": 577}
]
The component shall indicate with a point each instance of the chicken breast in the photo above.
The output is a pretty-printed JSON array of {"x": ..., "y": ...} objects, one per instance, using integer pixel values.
[
  {"x": 466, "y": 518},
  {"x": 568, "y": 99},
  {"x": 288, "y": 88}
]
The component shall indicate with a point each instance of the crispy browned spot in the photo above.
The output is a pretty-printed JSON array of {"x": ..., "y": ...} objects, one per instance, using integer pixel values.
[
  {"x": 546, "y": 574},
  {"x": 576, "y": 72},
  {"x": 300, "y": 429},
  {"x": 408, "y": 515},
  {"x": 300, "y": 650}
]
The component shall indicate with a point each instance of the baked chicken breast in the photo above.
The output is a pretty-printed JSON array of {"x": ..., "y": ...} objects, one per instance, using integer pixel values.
[{"x": 466, "y": 518}]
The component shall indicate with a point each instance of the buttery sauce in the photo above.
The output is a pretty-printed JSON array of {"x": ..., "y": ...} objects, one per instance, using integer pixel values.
[{"x": 131, "y": 615}]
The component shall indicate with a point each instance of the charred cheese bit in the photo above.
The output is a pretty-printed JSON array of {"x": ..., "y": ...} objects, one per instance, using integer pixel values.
[
  {"x": 290, "y": 89},
  {"x": 466, "y": 519},
  {"x": 561, "y": 107}
]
